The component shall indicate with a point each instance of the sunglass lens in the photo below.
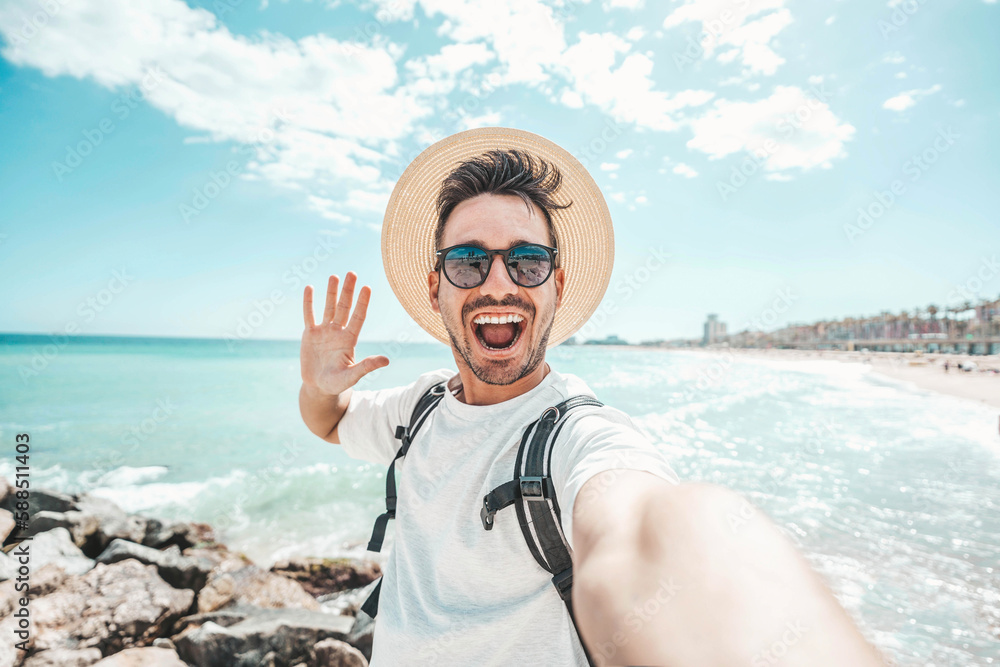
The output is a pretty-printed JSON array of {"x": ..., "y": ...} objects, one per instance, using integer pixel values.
[
  {"x": 529, "y": 265},
  {"x": 466, "y": 266}
]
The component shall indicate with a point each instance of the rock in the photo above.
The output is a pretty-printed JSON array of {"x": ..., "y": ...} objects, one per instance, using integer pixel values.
[
  {"x": 320, "y": 576},
  {"x": 5, "y": 490},
  {"x": 333, "y": 653},
  {"x": 64, "y": 657},
  {"x": 184, "y": 535},
  {"x": 233, "y": 582},
  {"x": 46, "y": 579},
  {"x": 283, "y": 636},
  {"x": 56, "y": 546},
  {"x": 114, "y": 607},
  {"x": 6, "y": 525},
  {"x": 10, "y": 655},
  {"x": 217, "y": 553},
  {"x": 143, "y": 657},
  {"x": 362, "y": 633},
  {"x": 177, "y": 570},
  {"x": 39, "y": 500},
  {"x": 8, "y": 567},
  {"x": 82, "y": 527},
  {"x": 113, "y": 520},
  {"x": 8, "y": 598},
  {"x": 164, "y": 642},
  {"x": 347, "y": 603},
  {"x": 223, "y": 617}
]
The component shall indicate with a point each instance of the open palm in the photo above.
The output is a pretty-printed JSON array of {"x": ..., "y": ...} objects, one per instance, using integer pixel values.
[{"x": 327, "y": 352}]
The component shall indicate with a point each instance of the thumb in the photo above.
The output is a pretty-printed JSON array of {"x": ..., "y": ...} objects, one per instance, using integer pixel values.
[{"x": 367, "y": 365}]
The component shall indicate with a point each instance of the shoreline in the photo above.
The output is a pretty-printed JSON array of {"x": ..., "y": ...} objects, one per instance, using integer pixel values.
[{"x": 925, "y": 371}]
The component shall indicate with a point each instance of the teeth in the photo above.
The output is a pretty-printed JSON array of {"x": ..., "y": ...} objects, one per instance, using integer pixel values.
[{"x": 495, "y": 319}]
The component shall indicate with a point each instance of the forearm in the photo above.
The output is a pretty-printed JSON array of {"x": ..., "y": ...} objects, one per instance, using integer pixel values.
[
  {"x": 704, "y": 579},
  {"x": 322, "y": 412}
]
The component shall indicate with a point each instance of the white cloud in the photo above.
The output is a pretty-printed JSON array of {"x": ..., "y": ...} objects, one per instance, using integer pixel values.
[
  {"x": 788, "y": 130},
  {"x": 621, "y": 155},
  {"x": 489, "y": 119},
  {"x": 623, "y": 4},
  {"x": 624, "y": 91},
  {"x": 738, "y": 25},
  {"x": 316, "y": 112},
  {"x": 635, "y": 34},
  {"x": 609, "y": 166},
  {"x": 894, "y": 58},
  {"x": 525, "y": 34},
  {"x": 685, "y": 171},
  {"x": 909, "y": 98},
  {"x": 326, "y": 208},
  {"x": 641, "y": 199}
]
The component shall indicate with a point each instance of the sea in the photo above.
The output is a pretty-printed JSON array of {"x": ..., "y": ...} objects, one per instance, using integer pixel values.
[{"x": 891, "y": 492}]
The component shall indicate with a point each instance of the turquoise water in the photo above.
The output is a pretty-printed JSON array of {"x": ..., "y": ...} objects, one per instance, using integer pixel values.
[{"x": 891, "y": 492}]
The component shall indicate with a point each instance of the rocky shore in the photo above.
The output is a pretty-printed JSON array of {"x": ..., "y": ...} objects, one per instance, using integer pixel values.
[{"x": 115, "y": 589}]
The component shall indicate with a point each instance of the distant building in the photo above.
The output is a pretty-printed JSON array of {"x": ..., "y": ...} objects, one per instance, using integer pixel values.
[
  {"x": 610, "y": 340},
  {"x": 715, "y": 330}
]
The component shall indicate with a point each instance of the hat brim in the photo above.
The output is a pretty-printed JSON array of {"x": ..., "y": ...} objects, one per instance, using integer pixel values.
[{"x": 584, "y": 230}]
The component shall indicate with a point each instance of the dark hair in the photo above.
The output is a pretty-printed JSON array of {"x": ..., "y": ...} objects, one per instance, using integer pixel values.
[{"x": 501, "y": 172}]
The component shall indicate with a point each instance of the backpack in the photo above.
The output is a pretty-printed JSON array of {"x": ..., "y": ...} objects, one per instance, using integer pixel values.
[{"x": 531, "y": 492}]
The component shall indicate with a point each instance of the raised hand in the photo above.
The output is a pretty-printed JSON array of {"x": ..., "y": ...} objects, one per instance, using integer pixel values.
[{"x": 327, "y": 352}]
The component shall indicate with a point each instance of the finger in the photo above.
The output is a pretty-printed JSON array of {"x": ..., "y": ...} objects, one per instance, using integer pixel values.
[
  {"x": 331, "y": 299},
  {"x": 367, "y": 365},
  {"x": 346, "y": 299},
  {"x": 307, "y": 307},
  {"x": 360, "y": 311}
]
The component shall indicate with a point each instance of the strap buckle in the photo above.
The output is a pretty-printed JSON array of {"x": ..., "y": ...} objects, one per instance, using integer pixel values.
[
  {"x": 534, "y": 488},
  {"x": 563, "y": 581},
  {"x": 486, "y": 513}
]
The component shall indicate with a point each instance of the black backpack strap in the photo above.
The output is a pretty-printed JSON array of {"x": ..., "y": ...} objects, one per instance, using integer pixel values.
[
  {"x": 532, "y": 493},
  {"x": 405, "y": 434}
]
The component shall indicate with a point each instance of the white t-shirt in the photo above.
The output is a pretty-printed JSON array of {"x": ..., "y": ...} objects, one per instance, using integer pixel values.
[{"x": 453, "y": 592}]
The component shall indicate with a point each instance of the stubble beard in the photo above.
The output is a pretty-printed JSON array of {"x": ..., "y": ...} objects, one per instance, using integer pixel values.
[{"x": 497, "y": 371}]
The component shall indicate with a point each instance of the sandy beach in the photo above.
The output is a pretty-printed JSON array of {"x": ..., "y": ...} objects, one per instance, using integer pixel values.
[{"x": 925, "y": 371}]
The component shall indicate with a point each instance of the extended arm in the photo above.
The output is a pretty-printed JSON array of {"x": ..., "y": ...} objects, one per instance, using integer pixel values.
[{"x": 692, "y": 574}]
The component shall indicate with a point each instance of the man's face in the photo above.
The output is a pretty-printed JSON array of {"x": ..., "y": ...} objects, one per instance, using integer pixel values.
[{"x": 497, "y": 222}]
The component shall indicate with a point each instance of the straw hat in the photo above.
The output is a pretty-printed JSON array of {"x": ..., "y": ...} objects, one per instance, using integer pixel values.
[{"x": 584, "y": 230}]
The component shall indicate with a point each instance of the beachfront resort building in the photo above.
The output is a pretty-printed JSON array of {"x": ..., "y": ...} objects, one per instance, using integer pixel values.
[{"x": 715, "y": 331}]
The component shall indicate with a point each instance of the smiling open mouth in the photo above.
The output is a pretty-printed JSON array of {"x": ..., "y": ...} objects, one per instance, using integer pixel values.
[{"x": 498, "y": 333}]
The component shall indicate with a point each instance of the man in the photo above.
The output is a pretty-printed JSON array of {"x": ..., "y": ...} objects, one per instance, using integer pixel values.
[{"x": 499, "y": 243}]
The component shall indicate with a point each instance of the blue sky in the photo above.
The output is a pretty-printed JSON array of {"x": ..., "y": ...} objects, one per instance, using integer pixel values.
[{"x": 184, "y": 169}]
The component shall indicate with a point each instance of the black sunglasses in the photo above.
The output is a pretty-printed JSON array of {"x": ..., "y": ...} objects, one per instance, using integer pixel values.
[{"x": 467, "y": 265}]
